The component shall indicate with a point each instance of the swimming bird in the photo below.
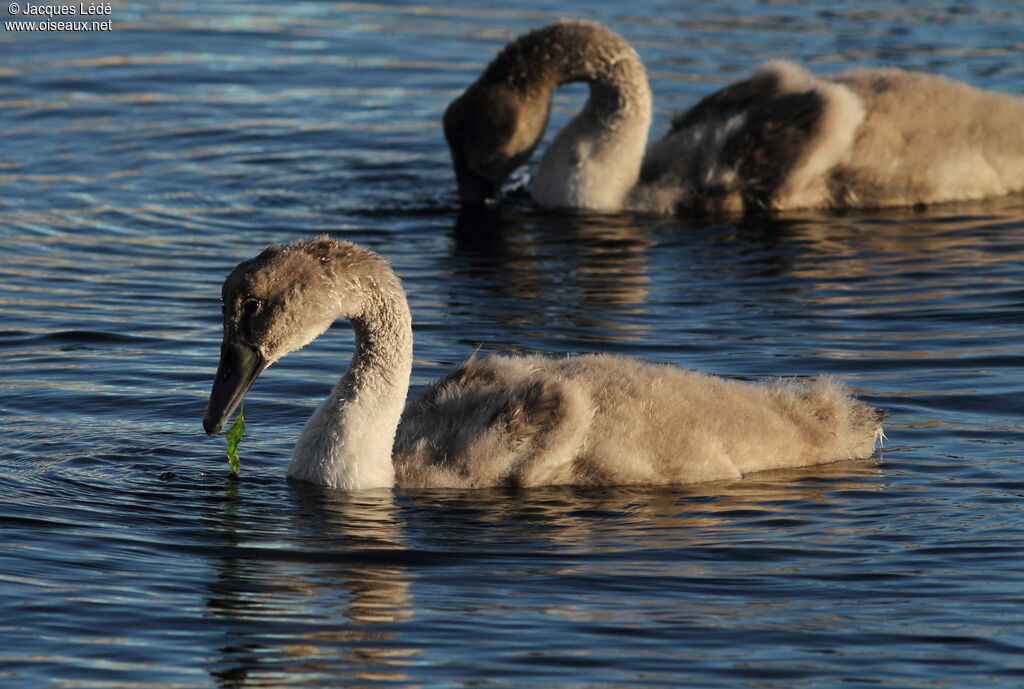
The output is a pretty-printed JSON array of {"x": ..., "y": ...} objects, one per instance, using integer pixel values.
[
  {"x": 595, "y": 419},
  {"x": 780, "y": 139}
]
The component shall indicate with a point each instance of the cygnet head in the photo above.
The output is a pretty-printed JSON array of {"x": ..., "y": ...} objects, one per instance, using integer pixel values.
[
  {"x": 491, "y": 130},
  {"x": 278, "y": 302}
]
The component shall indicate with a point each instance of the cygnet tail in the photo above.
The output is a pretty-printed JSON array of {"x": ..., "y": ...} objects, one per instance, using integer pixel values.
[{"x": 859, "y": 430}]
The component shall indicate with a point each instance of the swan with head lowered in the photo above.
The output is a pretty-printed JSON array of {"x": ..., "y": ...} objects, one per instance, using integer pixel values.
[
  {"x": 780, "y": 139},
  {"x": 504, "y": 420}
]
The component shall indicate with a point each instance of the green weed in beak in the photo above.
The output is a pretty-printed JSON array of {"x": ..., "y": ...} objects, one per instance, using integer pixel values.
[{"x": 234, "y": 436}]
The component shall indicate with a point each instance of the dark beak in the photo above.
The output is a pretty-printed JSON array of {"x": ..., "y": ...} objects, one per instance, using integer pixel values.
[
  {"x": 474, "y": 189},
  {"x": 239, "y": 366}
]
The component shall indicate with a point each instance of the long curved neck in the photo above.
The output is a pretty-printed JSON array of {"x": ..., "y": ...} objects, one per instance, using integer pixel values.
[
  {"x": 595, "y": 160},
  {"x": 348, "y": 441}
]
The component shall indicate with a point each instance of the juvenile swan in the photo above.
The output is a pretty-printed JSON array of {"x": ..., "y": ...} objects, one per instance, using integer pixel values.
[
  {"x": 504, "y": 420},
  {"x": 780, "y": 139}
]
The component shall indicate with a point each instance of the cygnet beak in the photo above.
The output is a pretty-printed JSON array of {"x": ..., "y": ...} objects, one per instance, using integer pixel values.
[
  {"x": 475, "y": 189},
  {"x": 239, "y": 366}
]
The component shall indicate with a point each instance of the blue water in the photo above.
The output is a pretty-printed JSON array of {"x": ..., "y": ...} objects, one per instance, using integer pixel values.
[{"x": 138, "y": 165}]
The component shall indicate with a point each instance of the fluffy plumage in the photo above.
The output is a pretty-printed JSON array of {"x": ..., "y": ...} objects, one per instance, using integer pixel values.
[
  {"x": 780, "y": 139},
  {"x": 502, "y": 420}
]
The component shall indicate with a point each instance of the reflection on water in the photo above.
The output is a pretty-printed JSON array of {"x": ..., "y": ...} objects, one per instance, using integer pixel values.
[
  {"x": 562, "y": 268},
  {"x": 337, "y": 594},
  {"x": 321, "y": 601}
]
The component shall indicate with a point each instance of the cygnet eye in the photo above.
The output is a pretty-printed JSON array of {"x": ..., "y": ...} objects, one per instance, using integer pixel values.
[{"x": 250, "y": 308}]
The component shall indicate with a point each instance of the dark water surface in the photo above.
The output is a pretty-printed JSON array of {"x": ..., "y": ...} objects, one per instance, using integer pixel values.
[{"x": 139, "y": 165}]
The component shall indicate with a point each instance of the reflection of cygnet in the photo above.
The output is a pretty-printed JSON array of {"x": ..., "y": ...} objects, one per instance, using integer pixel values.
[
  {"x": 498, "y": 420},
  {"x": 780, "y": 139}
]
